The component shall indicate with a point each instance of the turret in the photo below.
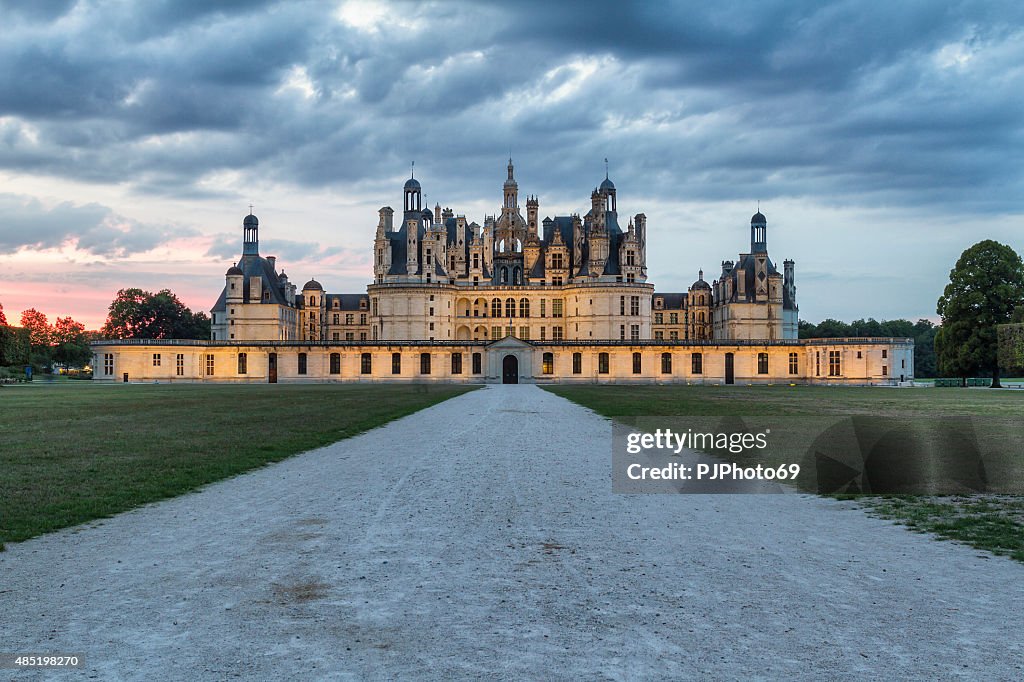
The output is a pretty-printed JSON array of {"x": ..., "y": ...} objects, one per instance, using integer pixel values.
[
  {"x": 250, "y": 236},
  {"x": 758, "y": 233},
  {"x": 234, "y": 282}
]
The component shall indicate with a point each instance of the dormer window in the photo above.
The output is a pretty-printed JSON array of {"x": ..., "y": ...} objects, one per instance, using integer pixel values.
[{"x": 659, "y": 303}]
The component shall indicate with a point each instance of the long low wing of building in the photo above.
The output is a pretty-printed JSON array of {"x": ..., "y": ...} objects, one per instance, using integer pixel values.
[{"x": 853, "y": 361}]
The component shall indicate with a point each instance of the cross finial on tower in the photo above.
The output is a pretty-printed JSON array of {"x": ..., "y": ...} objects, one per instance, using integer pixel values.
[
  {"x": 250, "y": 208},
  {"x": 606, "y": 168},
  {"x": 412, "y": 171}
]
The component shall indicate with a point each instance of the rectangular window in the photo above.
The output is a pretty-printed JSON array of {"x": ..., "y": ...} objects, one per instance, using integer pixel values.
[
  {"x": 673, "y": 335},
  {"x": 495, "y": 333},
  {"x": 556, "y": 333},
  {"x": 366, "y": 364},
  {"x": 556, "y": 307},
  {"x": 637, "y": 363},
  {"x": 362, "y": 318},
  {"x": 762, "y": 363},
  {"x": 350, "y": 336},
  {"x": 885, "y": 370},
  {"x": 209, "y": 365},
  {"x": 622, "y": 332},
  {"x": 543, "y": 333},
  {"x": 179, "y": 362},
  {"x": 156, "y": 359},
  {"x": 543, "y": 307},
  {"x": 362, "y": 336},
  {"x": 577, "y": 363},
  {"x": 456, "y": 363},
  {"x": 335, "y": 363},
  {"x": 477, "y": 363},
  {"x": 335, "y": 336},
  {"x": 424, "y": 363},
  {"x": 634, "y": 332},
  {"x": 834, "y": 364},
  {"x": 696, "y": 363},
  {"x": 302, "y": 363},
  {"x": 885, "y": 353},
  {"x": 659, "y": 318},
  {"x": 349, "y": 318},
  {"x": 602, "y": 363},
  {"x": 524, "y": 333},
  {"x": 794, "y": 364},
  {"x": 337, "y": 318},
  {"x": 396, "y": 363},
  {"x": 243, "y": 363},
  {"x": 622, "y": 305},
  {"x": 673, "y": 318},
  {"x": 108, "y": 364},
  {"x": 634, "y": 305},
  {"x": 659, "y": 336},
  {"x": 548, "y": 363},
  {"x": 666, "y": 363}
]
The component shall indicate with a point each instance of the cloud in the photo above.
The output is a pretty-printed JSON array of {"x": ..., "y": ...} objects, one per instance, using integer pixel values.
[{"x": 25, "y": 223}]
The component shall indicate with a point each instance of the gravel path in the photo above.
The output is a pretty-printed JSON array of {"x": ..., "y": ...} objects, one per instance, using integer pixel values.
[{"x": 479, "y": 539}]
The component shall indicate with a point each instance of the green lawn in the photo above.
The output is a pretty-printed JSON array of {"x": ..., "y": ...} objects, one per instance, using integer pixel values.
[
  {"x": 991, "y": 522},
  {"x": 76, "y": 451}
]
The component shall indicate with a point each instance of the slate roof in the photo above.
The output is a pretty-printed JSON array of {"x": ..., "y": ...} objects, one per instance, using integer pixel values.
[{"x": 253, "y": 266}]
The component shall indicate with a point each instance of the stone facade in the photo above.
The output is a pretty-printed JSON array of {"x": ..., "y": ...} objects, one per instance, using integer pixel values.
[
  {"x": 563, "y": 298},
  {"x": 511, "y": 360}
]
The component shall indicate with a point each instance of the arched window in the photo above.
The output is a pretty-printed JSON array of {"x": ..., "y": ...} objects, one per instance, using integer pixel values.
[
  {"x": 335, "y": 363},
  {"x": 496, "y": 307},
  {"x": 637, "y": 363},
  {"x": 366, "y": 364},
  {"x": 243, "y": 363},
  {"x": 302, "y": 363},
  {"x": 666, "y": 363},
  {"x": 548, "y": 363},
  {"x": 504, "y": 275},
  {"x": 312, "y": 300},
  {"x": 510, "y": 307},
  {"x": 524, "y": 307}
]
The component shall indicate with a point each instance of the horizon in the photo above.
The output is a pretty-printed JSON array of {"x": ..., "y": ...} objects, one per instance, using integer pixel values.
[{"x": 880, "y": 140}]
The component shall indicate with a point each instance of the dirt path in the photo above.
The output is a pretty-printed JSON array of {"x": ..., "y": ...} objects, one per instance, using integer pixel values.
[{"x": 480, "y": 539}]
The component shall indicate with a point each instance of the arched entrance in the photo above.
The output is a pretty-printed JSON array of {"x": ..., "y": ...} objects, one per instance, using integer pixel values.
[{"x": 510, "y": 370}]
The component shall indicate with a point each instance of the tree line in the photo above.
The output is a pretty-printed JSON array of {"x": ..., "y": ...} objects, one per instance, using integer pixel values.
[
  {"x": 133, "y": 314},
  {"x": 923, "y": 332}
]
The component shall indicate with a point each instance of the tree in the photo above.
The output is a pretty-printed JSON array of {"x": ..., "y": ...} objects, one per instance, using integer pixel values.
[
  {"x": 138, "y": 314},
  {"x": 14, "y": 348},
  {"x": 70, "y": 343},
  {"x": 985, "y": 286},
  {"x": 3, "y": 318},
  {"x": 40, "y": 337}
]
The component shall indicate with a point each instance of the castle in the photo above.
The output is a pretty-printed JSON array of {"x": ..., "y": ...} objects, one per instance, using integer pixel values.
[{"x": 563, "y": 298}]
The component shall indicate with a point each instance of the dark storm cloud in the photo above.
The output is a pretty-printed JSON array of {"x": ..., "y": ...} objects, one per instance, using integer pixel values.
[
  {"x": 863, "y": 102},
  {"x": 26, "y": 224}
]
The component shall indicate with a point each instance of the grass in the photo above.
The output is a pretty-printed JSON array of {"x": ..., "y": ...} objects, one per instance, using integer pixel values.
[
  {"x": 990, "y": 522},
  {"x": 77, "y": 452}
]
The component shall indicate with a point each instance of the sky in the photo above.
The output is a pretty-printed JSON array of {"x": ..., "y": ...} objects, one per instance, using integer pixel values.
[{"x": 880, "y": 139}]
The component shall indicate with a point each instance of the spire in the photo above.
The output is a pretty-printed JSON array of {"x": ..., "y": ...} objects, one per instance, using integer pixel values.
[
  {"x": 412, "y": 170},
  {"x": 606, "y": 168},
  {"x": 510, "y": 169}
]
